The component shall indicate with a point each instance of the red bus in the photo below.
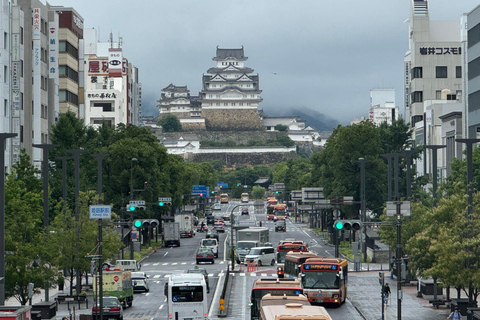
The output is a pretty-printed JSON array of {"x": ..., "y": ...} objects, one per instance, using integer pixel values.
[
  {"x": 288, "y": 287},
  {"x": 325, "y": 280},
  {"x": 293, "y": 263},
  {"x": 282, "y": 251}
]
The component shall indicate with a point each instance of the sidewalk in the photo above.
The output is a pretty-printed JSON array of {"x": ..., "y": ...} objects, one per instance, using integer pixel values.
[{"x": 364, "y": 294}]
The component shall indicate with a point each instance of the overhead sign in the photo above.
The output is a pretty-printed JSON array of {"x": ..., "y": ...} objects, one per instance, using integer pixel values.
[
  {"x": 166, "y": 199},
  {"x": 392, "y": 208},
  {"x": 200, "y": 190},
  {"x": 312, "y": 194},
  {"x": 222, "y": 185},
  {"x": 280, "y": 186},
  {"x": 100, "y": 212},
  {"x": 296, "y": 195},
  {"x": 136, "y": 202}
]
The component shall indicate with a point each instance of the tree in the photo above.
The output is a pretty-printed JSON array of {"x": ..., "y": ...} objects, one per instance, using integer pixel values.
[
  {"x": 258, "y": 192},
  {"x": 24, "y": 236},
  {"x": 337, "y": 168},
  {"x": 170, "y": 123},
  {"x": 281, "y": 127}
]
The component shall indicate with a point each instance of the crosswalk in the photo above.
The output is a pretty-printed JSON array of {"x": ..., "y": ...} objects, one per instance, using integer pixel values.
[
  {"x": 157, "y": 264},
  {"x": 221, "y": 274}
]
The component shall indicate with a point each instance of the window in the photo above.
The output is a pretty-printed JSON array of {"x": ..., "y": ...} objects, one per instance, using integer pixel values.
[
  {"x": 451, "y": 97},
  {"x": 21, "y": 133},
  {"x": 474, "y": 35},
  {"x": 417, "y": 72},
  {"x": 21, "y": 35},
  {"x": 106, "y": 106},
  {"x": 474, "y": 68},
  {"x": 441, "y": 72},
  {"x": 459, "y": 95},
  {"x": 5, "y": 40},
  {"x": 67, "y": 96},
  {"x": 66, "y": 71},
  {"x": 5, "y": 107},
  {"x": 438, "y": 95},
  {"x": 417, "y": 96},
  {"x": 5, "y": 74},
  {"x": 65, "y": 46},
  {"x": 474, "y": 101},
  {"x": 458, "y": 72}
]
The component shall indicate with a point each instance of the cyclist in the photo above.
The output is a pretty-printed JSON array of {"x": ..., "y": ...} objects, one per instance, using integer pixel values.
[{"x": 386, "y": 293}]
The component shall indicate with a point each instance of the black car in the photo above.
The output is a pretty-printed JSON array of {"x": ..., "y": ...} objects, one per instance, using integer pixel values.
[
  {"x": 205, "y": 255},
  {"x": 245, "y": 212},
  {"x": 112, "y": 308},
  {"x": 201, "y": 271},
  {"x": 210, "y": 220},
  {"x": 212, "y": 233},
  {"x": 280, "y": 225}
]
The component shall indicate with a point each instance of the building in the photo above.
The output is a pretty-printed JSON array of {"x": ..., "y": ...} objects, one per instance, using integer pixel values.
[
  {"x": 112, "y": 90},
  {"x": 176, "y": 100},
  {"x": 382, "y": 106},
  {"x": 472, "y": 81},
  {"x": 231, "y": 93},
  {"x": 433, "y": 62}
]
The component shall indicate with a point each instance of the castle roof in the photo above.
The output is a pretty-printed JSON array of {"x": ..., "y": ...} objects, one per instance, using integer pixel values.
[
  {"x": 223, "y": 54},
  {"x": 173, "y": 88}
]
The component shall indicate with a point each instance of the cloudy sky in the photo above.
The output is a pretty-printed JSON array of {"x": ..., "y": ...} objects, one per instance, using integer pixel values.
[{"x": 316, "y": 54}]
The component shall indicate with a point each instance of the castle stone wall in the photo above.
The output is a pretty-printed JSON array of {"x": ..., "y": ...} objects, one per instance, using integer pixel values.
[
  {"x": 239, "y": 137},
  {"x": 238, "y": 159},
  {"x": 193, "y": 126},
  {"x": 232, "y": 119}
]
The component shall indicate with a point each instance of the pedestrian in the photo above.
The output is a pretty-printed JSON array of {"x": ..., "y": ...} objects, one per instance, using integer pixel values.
[
  {"x": 455, "y": 315},
  {"x": 386, "y": 292}
]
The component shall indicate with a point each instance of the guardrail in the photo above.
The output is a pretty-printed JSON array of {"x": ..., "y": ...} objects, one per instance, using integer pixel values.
[{"x": 222, "y": 311}]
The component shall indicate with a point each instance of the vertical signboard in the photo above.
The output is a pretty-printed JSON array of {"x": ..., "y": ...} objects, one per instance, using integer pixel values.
[
  {"x": 37, "y": 85},
  {"x": 53, "y": 50},
  {"x": 115, "y": 58}
]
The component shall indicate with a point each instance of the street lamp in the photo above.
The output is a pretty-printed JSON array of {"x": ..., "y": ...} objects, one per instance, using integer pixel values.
[
  {"x": 131, "y": 198},
  {"x": 231, "y": 235}
]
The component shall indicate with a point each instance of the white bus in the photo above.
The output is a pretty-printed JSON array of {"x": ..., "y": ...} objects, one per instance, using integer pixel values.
[{"x": 187, "y": 296}]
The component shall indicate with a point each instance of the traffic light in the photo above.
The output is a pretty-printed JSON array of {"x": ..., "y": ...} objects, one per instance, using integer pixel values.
[
  {"x": 145, "y": 223},
  {"x": 131, "y": 208},
  {"x": 161, "y": 204},
  {"x": 137, "y": 223},
  {"x": 134, "y": 207},
  {"x": 347, "y": 224}
]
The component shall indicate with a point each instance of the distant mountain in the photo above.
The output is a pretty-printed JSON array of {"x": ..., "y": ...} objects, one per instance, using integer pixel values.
[{"x": 313, "y": 118}]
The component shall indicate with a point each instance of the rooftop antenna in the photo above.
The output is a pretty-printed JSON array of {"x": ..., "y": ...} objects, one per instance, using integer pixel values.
[
  {"x": 120, "y": 42},
  {"x": 111, "y": 40}
]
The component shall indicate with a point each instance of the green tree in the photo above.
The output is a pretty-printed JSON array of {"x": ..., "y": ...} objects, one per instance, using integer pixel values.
[
  {"x": 281, "y": 127},
  {"x": 337, "y": 168},
  {"x": 258, "y": 192},
  {"x": 170, "y": 123},
  {"x": 24, "y": 236}
]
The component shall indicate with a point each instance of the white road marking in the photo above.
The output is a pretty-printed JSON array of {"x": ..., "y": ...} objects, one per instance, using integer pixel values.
[
  {"x": 215, "y": 298},
  {"x": 161, "y": 306}
]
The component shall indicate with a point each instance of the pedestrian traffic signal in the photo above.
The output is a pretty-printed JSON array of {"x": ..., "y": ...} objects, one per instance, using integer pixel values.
[{"x": 347, "y": 224}]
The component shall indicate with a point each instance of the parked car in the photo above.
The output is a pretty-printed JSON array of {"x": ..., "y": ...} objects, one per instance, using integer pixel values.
[
  {"x": 205, "y": 255},
  {"x": 112, "y": 308},
  {"x": 201, "y": 271},
  {"x": 212, "y": 233},
  {"x": 245, "y": 212},
  {"x": 140, "y": 285}
]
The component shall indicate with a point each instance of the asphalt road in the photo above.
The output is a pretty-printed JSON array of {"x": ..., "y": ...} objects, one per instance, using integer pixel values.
[{"x": 174, "y": 260}]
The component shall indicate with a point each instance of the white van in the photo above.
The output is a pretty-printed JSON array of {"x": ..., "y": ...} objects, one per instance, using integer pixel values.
[
  {"x": 262, "y": 255},
  {"x": 211, "y": 243},
  {"x": 128, "y": 265}
]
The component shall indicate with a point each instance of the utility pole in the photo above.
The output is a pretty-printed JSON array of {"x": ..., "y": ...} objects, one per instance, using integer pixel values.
[
  {"x": 76, "y": 159},
  {"x": 469, "y": 143},
  {"x": 99, "y": 157},
  {"x": 46, "y": 221},
  {"x": 363, "y": 214},
  {"x": 3, "y": 137},
  {"x": 131, "y": 198}
]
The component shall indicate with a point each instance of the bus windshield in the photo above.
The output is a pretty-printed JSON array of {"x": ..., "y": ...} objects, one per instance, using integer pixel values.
[
  {"x": 245, "y": 245},
  {"x": 281, "y": 256},
  {"x": 187, "y": 293},
  {"x": 320, "y": 280}
]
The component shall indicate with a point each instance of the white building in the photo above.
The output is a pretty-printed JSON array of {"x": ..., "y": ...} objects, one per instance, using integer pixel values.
[
  {"x": 382, "y": 106},
  {"x": 111, "y": 84}
]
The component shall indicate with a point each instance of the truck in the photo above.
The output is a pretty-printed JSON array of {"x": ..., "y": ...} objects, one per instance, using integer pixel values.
[
  {"x": 116, "y": 283},
  {"x": 249, "y": 238},
  {"x": 171, "y": 234},
  {"x": 128, "y": 265},
  {"x": 186, "y": 223}
]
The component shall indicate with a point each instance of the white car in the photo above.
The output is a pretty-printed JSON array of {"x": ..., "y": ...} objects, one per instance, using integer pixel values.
[
  {"x": 211, "y": 243},
  {"x": 262, "y": 255},
  {"x": 217, "y": 206}
]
